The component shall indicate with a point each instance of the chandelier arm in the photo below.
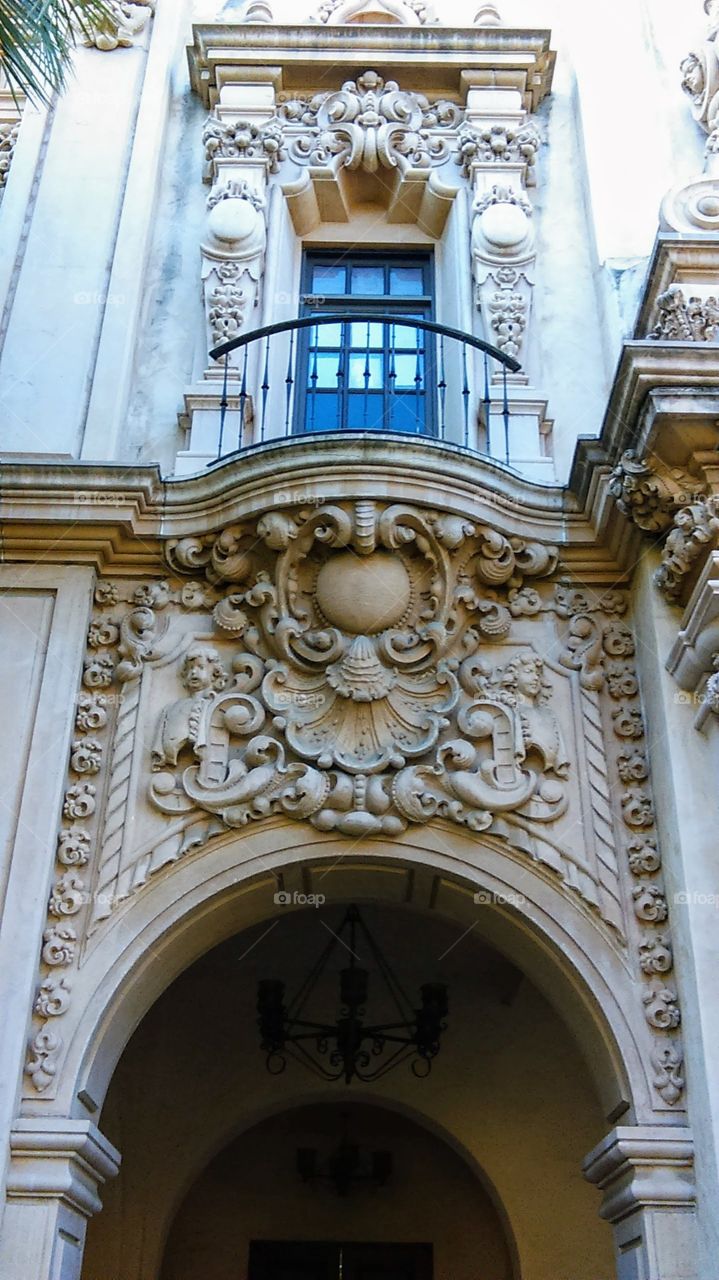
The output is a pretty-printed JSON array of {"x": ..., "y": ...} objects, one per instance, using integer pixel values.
[
  {"x": 401, "y": 1000},
  {"x": 395, "y": 1060},
  {"x": 376, "y": 1033},
  {"x": 318, "y": 1032},
  {"x": 306, "y": 1059},
  {"x": 297, "y": 1002}
]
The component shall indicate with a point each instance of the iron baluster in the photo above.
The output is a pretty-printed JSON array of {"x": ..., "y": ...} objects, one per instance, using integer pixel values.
[
  {"x": 265, "y": 385},
  {"x": 289, "y": 381},
  {"x": 465, "y": 395},
  {"x": 487, "y": 401},
  {"x": 223, "y": 406},
  {"x": 366, "y": 376},
  {"x": 419, "y": 351},
  {"x": 313, "y": 376},
  {"x": 505, "y": 413},
  {"x": 442, "y": 387},
  {"x": 243, "y": 398},
  {"x": 391, "y": 374}
]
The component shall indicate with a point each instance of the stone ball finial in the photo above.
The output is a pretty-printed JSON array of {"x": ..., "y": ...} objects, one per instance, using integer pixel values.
[{"x": 487, "y": 15}]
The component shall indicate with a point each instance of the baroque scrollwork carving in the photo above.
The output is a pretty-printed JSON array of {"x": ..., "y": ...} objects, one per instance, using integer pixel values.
[
  {"x": 659, "y": 499},
  {"x": 682, "y": 319},
  {"x": 369, "y": 124},
  {"x": 358, "y": 661},
  {"x": 695, "y": 531},
  {"x": 498, "y": 144}
]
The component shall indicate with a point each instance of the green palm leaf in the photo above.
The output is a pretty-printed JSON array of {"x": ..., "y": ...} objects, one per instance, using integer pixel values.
[{"x": 37, "y": 38}]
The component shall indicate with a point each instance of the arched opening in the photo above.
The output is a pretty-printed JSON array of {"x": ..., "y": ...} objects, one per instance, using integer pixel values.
[
  {"x": 510, "y": 1092},
  {"x": 250, "y": 1202}
]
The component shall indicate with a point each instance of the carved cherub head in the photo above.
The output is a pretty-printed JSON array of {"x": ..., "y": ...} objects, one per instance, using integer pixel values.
[
  {"x": 523, "y": 679},
  {"x": 202, "y": 669},
  {"x": 693, "y": 77}
]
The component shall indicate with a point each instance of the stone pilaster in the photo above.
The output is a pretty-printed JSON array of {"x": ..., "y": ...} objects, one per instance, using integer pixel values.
[
  {"x": 646, "y": 1176},
  {"x": 56, "y": 1171}
]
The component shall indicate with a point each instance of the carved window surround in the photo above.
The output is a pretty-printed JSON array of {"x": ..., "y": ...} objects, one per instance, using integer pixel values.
[{"x": 289, "y": 111}]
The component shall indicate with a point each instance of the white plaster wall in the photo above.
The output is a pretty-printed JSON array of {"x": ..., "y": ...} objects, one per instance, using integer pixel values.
[{"x": 65, "y": 257}]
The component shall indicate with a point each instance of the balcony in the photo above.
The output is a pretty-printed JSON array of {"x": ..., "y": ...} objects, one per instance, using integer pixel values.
[{"x": 362, "y": 371}]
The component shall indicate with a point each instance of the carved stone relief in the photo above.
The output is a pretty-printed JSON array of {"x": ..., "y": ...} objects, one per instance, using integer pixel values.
[
  {"x": 127, "y": 20},
  {"x": 362, "y": 667},
  {"x": 659, "y": 499},
  {"x": 681, "y": 319}
]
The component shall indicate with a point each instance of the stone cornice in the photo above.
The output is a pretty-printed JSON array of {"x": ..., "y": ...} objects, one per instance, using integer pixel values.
[
  {"x": 302, "y": 56},
  {"x": 120, "y": 517},
  {"x": 677, "y": 259}
]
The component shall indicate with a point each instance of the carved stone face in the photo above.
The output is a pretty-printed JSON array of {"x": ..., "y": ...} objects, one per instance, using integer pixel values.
[
  {"x": 693, "y": 79},
  {"x": 198, "y": 671},
  {"x": 529, "y": 678}
]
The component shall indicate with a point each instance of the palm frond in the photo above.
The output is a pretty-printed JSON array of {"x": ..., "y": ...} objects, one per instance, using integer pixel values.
[{"x": 37, "y": 38}]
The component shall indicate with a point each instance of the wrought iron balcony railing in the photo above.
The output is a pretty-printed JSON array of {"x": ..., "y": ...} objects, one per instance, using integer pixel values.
[{"x": 367, "y": 371}]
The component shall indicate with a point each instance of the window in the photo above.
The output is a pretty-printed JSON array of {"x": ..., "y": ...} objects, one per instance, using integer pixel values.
[{"x": 367, "y": 374}]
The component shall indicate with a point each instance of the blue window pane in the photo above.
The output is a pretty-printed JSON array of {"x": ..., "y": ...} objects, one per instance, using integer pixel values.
[
  {"x": 322, "y": 370},
  {"x": 407, "y": 413},
  {"x": 322, "y": 412},
  {"x": 365, "y": 370},
  {"x": 368, "y": 280},
  {"x": 329, "y": 280},
  {"x": 406, "y": 369},
  {"x": 405, "y": 337},
  {"x": 359, "y": 335},
  {"x": 366, "y": 412},
  {"x": 406, "y": 282},
  {"x": 326, "y": 335}
]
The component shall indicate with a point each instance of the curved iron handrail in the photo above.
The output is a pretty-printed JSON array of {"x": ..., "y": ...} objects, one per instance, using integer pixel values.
[{"x": 366, "y": 317}]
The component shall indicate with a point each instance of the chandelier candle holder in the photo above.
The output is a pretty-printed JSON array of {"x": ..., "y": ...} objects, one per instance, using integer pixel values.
[
  {"x": 347, "y": 1168},
  {"x": 352, "y": 1047}
]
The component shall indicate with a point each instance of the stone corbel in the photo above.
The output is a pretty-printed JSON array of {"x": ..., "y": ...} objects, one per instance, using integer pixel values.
[
  {"x": 682, "y": 504},
  {"x": 646, "y": 1176}
]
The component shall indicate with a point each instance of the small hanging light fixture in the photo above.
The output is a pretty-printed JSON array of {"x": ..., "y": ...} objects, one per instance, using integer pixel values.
[{"x": 351, "y": 1047}]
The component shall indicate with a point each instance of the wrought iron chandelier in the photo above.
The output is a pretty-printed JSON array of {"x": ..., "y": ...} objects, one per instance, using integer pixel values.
[
  {"x": 352, "y": 1047},
  {"x": 348, "y": 1167}
]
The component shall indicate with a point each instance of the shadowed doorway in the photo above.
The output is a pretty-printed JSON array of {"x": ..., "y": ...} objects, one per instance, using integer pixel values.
[{"x": 291, "y": 1261}]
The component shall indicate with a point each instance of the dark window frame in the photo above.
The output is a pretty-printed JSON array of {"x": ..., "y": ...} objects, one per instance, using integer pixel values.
[{"x": 422, "y": 305}]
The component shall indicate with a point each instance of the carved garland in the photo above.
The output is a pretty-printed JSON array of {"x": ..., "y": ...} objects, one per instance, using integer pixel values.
[
  {"x": 70, "y": 892},
  {"x": 606, "y": 657}
]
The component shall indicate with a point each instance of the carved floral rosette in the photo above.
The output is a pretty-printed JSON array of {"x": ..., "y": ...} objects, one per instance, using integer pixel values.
[{"x": 363, "y": 668}]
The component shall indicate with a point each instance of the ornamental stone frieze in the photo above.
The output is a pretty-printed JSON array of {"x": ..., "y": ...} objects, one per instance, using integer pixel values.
[{"x": 363, "y": 667}]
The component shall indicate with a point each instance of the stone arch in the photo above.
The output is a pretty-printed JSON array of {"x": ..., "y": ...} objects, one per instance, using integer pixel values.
[
  {"x": 216, "y": 1142},
  {"x": 177, "y": 917}
]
